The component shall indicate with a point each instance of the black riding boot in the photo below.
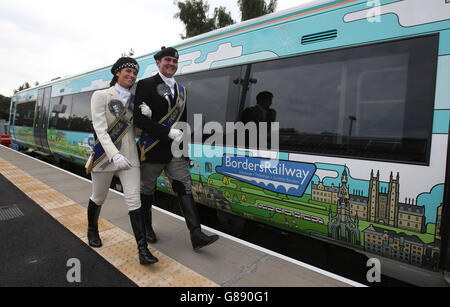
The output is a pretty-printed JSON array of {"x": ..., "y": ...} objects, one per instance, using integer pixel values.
[
  {"x": 93, "y": 213},
  {"x": 198, "y": 238},
  {"x": 137, "y": 223},
  {"x": 146, "y": 201}
]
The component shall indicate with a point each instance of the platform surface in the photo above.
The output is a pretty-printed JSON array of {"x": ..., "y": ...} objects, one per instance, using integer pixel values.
[
  {"x": 229, "y": 262},
  {"x": 38, "y": 251}
]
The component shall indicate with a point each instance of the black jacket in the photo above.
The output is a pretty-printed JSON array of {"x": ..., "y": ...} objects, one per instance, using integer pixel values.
[{"x": 146, "y": 92}]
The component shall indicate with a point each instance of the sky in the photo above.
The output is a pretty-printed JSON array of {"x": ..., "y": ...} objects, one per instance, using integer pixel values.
[{"x": 45, "y": 39}]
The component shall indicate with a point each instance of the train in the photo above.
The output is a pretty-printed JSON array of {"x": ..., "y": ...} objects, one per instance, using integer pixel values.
[{"x": 361, "y": 100}]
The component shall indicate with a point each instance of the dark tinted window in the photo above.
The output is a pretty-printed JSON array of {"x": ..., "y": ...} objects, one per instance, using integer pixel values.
[
  {"x": 81, "y": 113},
  {"x": 374, "y": 101},
  {"x": 61, "y": 111},
  {"x": 25, "y": 114}
]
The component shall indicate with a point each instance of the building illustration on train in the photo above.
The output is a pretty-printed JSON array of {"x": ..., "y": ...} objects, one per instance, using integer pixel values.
[
  {"x": 380, "y": 206},
  {"x": 373, "y": 220}
]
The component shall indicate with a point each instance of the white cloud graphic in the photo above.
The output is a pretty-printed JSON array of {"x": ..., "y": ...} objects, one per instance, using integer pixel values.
[
  {"x": 410, "y": 12},
  {"x": 224, "y": 52}
]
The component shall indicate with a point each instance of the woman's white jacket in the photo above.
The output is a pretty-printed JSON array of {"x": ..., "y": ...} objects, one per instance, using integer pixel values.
[{"x": 102, "y": 117}]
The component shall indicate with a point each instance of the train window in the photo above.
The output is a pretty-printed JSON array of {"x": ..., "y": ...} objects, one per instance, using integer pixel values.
[
  {"x": 61, "y": 110},
  {"x": 25, "y": 114},
  {"x": 373, "y": 101},
  {"x": 81, "y": 113},
  {"x": 210, "y": 93},
  {"x": 11, "y": 111}
]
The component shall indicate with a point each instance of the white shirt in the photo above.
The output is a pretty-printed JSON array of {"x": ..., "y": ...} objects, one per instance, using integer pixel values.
[
  {"x": 170, "y": 82},
  {"x": 123, "y": 92}
]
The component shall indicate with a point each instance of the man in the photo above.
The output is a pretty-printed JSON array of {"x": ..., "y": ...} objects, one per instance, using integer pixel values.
[{"x": 160, "y": 103}]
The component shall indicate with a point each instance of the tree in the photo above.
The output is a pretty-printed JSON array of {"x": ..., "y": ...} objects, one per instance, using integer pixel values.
[
  {"x": 255, "y": 8},
  {"x": 129, "y": 53},
  {"x": 222, "y": 18},
  {"x": 22, "y": 87},
  {"x": 193, "y": 13}
]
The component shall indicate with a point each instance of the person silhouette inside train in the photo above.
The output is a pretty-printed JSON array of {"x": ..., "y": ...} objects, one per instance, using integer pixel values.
[{"x": 259, "y": 113}]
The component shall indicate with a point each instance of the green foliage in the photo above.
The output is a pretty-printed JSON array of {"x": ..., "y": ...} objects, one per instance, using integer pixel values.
[
  {"x": 222, "y": 18},
  {"x": 128, "y": 53},
  {"x": 22, "y": 87},
  {"x": 193, "y": 13}
]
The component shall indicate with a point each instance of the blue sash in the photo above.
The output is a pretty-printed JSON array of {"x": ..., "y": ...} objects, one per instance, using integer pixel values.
[
  {"x": 116, "y": 131},
  {"x": 147, "y": 142}
]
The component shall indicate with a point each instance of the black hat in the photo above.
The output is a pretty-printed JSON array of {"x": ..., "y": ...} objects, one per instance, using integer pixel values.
[
  {"x": 123, "y": 63},
  {"x": 172, "y": 52}
]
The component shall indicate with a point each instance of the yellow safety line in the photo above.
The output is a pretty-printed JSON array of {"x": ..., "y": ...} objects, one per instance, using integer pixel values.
[{"x": 119, "y": 247}]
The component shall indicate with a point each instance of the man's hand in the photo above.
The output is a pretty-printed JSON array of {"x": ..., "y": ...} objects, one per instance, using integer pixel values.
[
  {"x": 145, "y": 110},
  {"x": 176, "y": 135},
  {"x": 121, "y": 162}
]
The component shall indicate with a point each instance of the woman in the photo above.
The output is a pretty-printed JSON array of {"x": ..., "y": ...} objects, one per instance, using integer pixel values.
[{"x": 115, "y": 153}]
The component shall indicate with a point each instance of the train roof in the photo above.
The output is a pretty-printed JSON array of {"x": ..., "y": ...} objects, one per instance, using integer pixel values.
[{"x": 310, "y": 7}]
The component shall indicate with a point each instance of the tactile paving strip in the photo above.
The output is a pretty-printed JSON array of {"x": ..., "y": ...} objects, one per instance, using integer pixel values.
[{"x": 119, "y": 247}]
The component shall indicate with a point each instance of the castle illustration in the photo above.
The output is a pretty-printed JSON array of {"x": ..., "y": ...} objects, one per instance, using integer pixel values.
[
  {"x": 341, "y": 226},
  {"x": 382, "y": 208}
]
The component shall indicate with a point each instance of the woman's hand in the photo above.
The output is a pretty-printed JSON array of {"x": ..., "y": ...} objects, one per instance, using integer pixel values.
[{"x": 121, "y": 162}]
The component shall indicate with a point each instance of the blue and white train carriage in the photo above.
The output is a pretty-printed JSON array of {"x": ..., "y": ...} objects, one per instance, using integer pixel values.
[{"x": 360, "y": 91}]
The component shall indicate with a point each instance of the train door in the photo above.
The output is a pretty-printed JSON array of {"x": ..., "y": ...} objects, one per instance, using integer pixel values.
[
  {"x": 41, "y": 121},
  {"x": 12, "y": 115},
  {"x": 445, "y": 226}
]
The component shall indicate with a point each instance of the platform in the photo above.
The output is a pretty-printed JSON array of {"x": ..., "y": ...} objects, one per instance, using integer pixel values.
[{"x": 229, "y": 262}]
